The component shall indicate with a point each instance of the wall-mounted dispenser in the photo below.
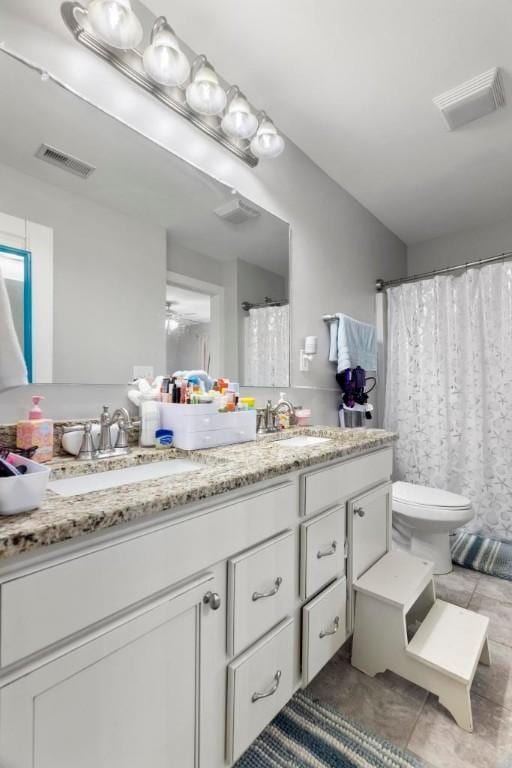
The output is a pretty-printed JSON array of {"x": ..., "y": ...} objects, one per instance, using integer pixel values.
[{"x": 308, "y": 352}]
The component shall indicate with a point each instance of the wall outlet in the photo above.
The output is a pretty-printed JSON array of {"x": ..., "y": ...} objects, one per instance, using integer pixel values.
[{"x": 143, "y": 372}]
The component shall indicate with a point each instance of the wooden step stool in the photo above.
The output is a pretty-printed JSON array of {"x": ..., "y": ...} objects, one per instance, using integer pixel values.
[{"x": 401, "y": 626}]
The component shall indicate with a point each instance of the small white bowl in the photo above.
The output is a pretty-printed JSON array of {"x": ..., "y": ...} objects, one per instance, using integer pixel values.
[{"x": 23, "y": 493}]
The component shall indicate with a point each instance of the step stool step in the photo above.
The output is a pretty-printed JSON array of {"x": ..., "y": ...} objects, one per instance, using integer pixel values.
[
  {"x": 397, "y": 578},
  {"x": 450, "y": 640}
]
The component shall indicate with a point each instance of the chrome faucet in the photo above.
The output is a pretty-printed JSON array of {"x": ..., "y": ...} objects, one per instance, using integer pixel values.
[
  {"x": 89, "y": 451},
  {"x": 285, "y": 406},
  {"x": 121, "y": 417},
  {"x": 267, "y": 419}
]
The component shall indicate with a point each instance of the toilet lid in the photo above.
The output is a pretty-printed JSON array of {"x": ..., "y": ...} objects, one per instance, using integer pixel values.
[{"x": 422, "y": 495}]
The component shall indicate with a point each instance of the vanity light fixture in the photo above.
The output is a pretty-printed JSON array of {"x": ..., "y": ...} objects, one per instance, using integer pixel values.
[
  {"x": 239, "y": 121},
  {"x": 205, "y": 95},
  {"x": 115, "y": 23},
  {"x": 185, "y": 83},
  {"x": 163, "y": 59},
  {"x": 267, "y": 143}
]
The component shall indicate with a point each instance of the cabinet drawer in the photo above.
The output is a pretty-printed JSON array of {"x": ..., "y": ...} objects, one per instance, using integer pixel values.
[
  {"x": 370, "y": 516},
  {"x": 259, "y": 684},
  {"x": 327, "y": 487},
  {"x": 324, "y": 628},
  {"x": 261, "y": 590},
  {"x": 322, "y": 546},
  {"x": 67, "y": 596}
]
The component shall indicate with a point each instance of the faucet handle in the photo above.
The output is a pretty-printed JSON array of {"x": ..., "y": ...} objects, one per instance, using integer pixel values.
[
  {"x": 87, "y": 448},
  {"x": 122, "y": 435}
]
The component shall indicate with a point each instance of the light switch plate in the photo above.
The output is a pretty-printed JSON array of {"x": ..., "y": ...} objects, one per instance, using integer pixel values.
[{"x": 143, "y": 372}]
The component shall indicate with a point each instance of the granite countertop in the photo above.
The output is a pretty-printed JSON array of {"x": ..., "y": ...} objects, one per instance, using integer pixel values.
[{"x": 226, "y": 469}]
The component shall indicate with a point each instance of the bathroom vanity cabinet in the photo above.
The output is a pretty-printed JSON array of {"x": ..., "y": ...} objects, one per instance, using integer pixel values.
[{"x": 173, "y": 641}]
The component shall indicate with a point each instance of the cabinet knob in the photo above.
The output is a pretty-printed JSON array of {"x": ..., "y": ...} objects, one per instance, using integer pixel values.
[
  {"x": 213, "y": 599},
  {"x": 359, "y": 511}
]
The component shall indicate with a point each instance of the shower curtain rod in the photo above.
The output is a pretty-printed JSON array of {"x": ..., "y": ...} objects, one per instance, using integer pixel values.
[{"x": 381, "y": 285}]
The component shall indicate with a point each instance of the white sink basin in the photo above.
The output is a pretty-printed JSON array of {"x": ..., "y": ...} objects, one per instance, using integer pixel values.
[
  {"x": 303, "y": 441},
  {"x": 100, "y": 481}
]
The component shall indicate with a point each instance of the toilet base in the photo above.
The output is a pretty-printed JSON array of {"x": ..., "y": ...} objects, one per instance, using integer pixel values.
[{"x": 429, "y": 546}]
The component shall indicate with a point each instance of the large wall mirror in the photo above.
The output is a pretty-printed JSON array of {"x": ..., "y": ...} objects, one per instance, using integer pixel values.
[{"x": 117, "y": 259}]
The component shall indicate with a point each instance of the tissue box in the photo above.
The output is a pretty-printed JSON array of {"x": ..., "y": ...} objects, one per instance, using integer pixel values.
[{"x": 202, "y": 426}]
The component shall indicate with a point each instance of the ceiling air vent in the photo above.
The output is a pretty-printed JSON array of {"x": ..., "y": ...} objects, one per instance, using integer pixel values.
[
  {"x": 473, "y": 99},
  {"x": 64, "y": 161},
  {"x": 237, "y": 211}
]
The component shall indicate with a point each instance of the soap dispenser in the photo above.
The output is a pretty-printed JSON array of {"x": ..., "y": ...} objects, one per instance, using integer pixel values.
[{"x": 36, "y": 431}]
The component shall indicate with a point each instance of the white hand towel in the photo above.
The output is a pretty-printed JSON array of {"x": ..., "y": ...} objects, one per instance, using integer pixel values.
[
  {"x": 357, "y": 344},
  {"x": 13, "y": 370},
  {"x": 333, "y": 345}
]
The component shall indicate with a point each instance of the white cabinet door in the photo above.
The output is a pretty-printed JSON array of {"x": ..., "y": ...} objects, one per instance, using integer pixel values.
[
  {"x": 370, "y": 523},
  {"x": 125, "y": 699}
]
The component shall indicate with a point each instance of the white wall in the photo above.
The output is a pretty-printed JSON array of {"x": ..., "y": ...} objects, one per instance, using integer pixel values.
[
  {"x": 460, "y": 248},
  {"x": 184, "y": 349},
  {"x": 338, "y": 247},
  {"x": 104, "y": 324},
  {"x": 187, "y": 262}
]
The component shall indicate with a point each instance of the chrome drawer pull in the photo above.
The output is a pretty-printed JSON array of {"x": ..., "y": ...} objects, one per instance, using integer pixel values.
[
  {"x": 271, "y": 593},
  {"x": 336, "y": 626},
  {"x": 275, "y": 686},
  {"x": 328, "y": 552},
  {"x": 359, "y": 511}
]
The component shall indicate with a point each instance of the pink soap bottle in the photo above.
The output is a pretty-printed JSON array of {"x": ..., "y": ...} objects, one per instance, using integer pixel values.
[{"x": 36, "y": 430}]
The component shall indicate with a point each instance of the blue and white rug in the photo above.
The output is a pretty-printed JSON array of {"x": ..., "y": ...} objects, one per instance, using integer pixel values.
[
  {"x": 485, "y": 555},
  {"x": 306, "y": 734}
]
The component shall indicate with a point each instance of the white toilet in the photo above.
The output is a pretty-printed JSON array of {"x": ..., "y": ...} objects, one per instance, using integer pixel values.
[{"x": 423, "y": 519}]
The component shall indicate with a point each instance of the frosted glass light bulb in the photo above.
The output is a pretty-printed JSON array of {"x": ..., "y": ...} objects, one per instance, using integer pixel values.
[
  {"x": 239, "y": 122},
  {"x": 114, "y": 22},
  {"x": 204, "y": 95},
  {"x": 267, "y": 143},
  {"x": 164, "y": 61}
]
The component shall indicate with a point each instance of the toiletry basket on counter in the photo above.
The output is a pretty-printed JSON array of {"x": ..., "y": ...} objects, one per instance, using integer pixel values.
[
  {"x": 23, "y": 493},
  {"x": 202, "y": 426}
]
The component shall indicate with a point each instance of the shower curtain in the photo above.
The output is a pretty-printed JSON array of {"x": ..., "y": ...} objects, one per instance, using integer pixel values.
[
  {"x": 449, "y": 388},
  {"x": 267, "y": 347}
]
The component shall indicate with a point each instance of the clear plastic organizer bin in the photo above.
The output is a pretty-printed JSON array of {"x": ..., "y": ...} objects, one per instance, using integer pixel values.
[{"x": 202, "y": 426}]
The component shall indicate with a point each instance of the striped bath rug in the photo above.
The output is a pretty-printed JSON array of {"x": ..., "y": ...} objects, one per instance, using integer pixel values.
[
  {"x": 485, "y": 555},
  {"x": 306, "y": 734}
]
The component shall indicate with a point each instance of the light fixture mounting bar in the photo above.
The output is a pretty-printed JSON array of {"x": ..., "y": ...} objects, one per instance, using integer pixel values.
[{"x": 120, "y": 60}]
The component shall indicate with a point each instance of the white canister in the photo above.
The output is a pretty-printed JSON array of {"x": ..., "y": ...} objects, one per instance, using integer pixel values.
[{"x": 149, "y": 422}]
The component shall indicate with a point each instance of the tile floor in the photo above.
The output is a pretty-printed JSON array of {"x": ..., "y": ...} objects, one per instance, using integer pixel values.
[{"x": 410, "y": 717}]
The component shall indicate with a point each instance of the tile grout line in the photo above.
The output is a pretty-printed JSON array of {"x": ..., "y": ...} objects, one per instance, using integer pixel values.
[
  {"x": 411, "y": 731},
  {"x": 474, "y": 590}
]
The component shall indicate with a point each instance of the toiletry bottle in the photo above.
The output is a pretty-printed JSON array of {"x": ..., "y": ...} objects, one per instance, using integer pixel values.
[
  {"x": 36, "y": 430},
  {"x": 284, "y": 416},
  {"x": 149, "y": 422}
]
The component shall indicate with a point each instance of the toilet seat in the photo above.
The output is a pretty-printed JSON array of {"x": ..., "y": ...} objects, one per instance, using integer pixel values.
[
  {"x": 423, "y": 519},
  {"x": 424, "y": 503}
]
